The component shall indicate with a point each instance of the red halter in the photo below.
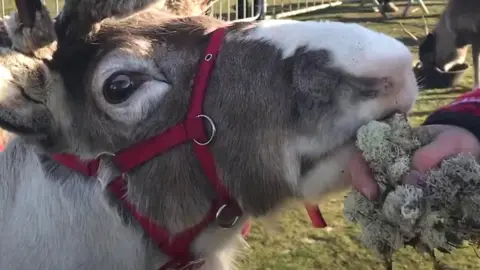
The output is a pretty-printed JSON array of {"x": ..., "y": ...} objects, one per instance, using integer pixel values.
[{"x": 225, "y": 210}]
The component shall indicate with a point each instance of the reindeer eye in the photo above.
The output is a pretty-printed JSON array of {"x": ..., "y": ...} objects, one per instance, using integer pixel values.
[{"x": 121, "y": 85}]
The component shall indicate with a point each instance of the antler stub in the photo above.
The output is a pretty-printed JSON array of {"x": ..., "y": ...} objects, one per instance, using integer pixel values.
[
  {"x": 26, "y": 11},
  {"x": 31, "y": 29}
]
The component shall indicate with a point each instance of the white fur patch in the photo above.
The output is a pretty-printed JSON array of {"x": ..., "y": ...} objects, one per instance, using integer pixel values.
[{"x": 355, "y": 49}]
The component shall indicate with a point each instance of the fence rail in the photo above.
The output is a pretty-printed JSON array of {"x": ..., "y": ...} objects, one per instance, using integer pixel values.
[
  {"x": 271, "y": 9},
  {"x": 230, "y": 10}
]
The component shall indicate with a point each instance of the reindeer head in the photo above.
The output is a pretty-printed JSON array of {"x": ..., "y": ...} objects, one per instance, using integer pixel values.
[
  {"x": 446, "y": 46},
  {"x": 110, "y": 82},
  {"x": 426, "y": 45}
]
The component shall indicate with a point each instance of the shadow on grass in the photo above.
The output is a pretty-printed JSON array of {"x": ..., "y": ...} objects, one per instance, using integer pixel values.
[
  {"x": 438, "y": 97},
  {"x": 352, "y": 8},
  {"x": 457, "y": 90},
  {"x": 379, "y": 19},
  {"x": 408, "y": 41},
  {"x": 421, "y": 113}
]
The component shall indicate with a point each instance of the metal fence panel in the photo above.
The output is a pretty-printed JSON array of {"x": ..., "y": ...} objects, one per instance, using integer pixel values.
[
  {"x": 239, "y": 10},
  {"x": 286, "y": 8}
]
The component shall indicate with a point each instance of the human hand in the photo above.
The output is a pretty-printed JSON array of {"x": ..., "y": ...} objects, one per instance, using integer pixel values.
[{"x": 446, "y": 141}]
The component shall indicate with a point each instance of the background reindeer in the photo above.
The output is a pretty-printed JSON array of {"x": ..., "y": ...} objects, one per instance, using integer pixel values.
[
  {"x": 286, "y": 112},
  {"x": 457, "y": 28}
]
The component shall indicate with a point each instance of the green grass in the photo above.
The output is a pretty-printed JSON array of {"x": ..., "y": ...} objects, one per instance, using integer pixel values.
[{"x": 300, "y": 246}]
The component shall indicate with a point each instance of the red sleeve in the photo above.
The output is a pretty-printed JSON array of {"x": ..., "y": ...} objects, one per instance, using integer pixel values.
[{"x": 462, "y": 112}]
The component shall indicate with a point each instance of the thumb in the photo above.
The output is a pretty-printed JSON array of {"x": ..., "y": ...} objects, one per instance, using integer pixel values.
[
  {"x": 432, "y": 154},
  {"x": 362, "y": 178}
]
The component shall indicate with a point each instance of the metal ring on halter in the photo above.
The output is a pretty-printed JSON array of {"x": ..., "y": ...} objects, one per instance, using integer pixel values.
[
  {"x": 233, "y": 222},
  {"x": 208, "y": 57},
  {"x": 214, "y": 130},
  {"x": 104, "y": 153}
]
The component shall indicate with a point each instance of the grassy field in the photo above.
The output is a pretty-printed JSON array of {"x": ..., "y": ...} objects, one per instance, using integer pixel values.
[{"x": 300, "y": 246}]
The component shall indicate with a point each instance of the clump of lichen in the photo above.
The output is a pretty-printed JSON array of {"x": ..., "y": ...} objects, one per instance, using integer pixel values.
[{"x": 439, "y": 211}]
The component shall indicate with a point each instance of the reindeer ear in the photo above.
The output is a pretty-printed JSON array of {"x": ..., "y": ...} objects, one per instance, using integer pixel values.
[
  {"x": 78, "y": 17},
  {"x": 31, "y": 30}
]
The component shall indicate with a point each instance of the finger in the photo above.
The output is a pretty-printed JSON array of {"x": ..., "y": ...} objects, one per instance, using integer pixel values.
[
  {"x": 432, "y": 154},
  {"x": 362, "y": 178},
  {"x": 446, "y": 144},
  {"x": 429, "y": 132}
]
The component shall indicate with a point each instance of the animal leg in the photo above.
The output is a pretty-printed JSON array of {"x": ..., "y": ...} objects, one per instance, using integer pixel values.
[
  {"x": 407, "y": 8},
  {"x": 460, "y": 58},
  {"x": 423, "y": 6},
  {"x": 476, "y": 63}
]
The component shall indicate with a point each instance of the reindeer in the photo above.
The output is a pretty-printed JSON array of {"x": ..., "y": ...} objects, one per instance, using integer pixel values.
[
  {"x": 147, "y": 140},
  {"x": 447, "y": 45}
]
